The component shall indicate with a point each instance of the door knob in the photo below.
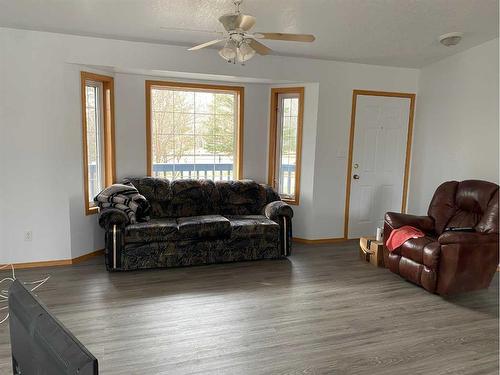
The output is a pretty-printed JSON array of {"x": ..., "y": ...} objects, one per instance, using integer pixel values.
[{"x": 356, "y": 176}]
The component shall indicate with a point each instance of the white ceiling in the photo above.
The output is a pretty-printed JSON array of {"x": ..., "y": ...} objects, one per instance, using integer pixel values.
[{"x": 383, "y": 32}]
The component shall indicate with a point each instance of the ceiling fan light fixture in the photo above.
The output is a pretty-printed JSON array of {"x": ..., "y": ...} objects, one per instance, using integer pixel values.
[
  {"x": 245, "y": 52},
  {"x": 229, "y": 51}
]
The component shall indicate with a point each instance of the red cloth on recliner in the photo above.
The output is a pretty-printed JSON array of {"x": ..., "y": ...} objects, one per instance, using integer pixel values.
[{"x": 400, "y": 235}]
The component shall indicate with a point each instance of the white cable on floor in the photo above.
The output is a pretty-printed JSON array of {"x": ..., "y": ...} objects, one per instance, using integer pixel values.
[
  {"x": 4, "y": 292},
  {"x": 40, "y": 283},
  {"x": 4, "y": 319}
]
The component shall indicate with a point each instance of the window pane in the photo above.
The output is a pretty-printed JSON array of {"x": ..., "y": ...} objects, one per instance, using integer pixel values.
[
  {"x": 162, "y": 100},
  {"x": 94, "y": 141},
  {"x": 193, "y": 133},
  {"x": 204, "y": 124},
  {"x": 286, "y": 107},
  {"x": 183, "y": 101},
  {"x": 183, "y": 123},
  {"x": 287, "y": 146},
  {"x": 224, "y": 104},
  {"x": 294, "y": 107},
  {"x": 204, "y": 102},
  {"x": 163, "y": 123}
]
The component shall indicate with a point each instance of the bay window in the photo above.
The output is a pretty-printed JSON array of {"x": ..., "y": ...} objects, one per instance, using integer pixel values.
[
  {"x": 98, "y": 135},
  {"x": 194, "y": 130},
  {"x": 285, "y": 147}
]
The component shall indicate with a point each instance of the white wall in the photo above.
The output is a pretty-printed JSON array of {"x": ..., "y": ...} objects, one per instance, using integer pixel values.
[
  {"x": 34, "y": 152},
  {"x": 456, "y": 124},
  {"x": 41, "y": 142}
]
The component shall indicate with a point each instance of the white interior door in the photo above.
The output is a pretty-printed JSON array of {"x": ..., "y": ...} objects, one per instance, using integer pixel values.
[{"x": 378, "y": 161}]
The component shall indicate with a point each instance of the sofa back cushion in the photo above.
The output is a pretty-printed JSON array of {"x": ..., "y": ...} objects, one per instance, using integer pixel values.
[
  {"x": 244, "y": 197},
  {"x": 470, "y": 203},
  {"x": 180, "y": 198},
  {"x": 156, "y": 191},
  {"x": 193, "y": 198},
  {"x": 270, "y": 194}
]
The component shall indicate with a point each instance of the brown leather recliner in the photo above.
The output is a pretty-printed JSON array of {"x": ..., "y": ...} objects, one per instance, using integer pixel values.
[{"x": 447, "y": 262}]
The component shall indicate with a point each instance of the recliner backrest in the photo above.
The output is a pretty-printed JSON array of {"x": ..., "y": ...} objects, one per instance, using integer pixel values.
[{"x": 470, "y": 203}]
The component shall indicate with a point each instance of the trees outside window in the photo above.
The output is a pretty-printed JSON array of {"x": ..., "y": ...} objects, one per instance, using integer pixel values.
[{"x": 194, "y": 130}]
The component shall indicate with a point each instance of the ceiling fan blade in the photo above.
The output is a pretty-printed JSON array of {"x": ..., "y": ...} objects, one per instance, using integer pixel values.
[
  {"x": 259, "y": 47},
  {"x": 237, "y": 21},
  {"x": 183, "y": 29},
  {"x": 286, "y": 37},
  {"x": 207, "y": 44}
]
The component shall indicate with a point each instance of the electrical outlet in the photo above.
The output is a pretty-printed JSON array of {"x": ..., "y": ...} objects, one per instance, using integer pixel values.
[{"x": 28, "y": 236}]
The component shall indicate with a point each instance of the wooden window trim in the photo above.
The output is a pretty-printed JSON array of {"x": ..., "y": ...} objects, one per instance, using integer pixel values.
[
  {"x": 108, "y": 133},
  {"x": 238, "y": 90},
  {"x": 273, "y": 128}
]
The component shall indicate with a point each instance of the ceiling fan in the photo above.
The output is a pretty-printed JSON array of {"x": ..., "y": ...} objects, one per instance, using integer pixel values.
[{"x": 239, "y": 44}]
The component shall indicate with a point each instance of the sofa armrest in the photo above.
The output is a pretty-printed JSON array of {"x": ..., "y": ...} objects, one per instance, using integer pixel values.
[
  {"x": 281, "y": 213},
  {"x": 108, "y": 217},
  {"x": 467, "y": 238},
  {"x": 276, "y": 209},
  {"x": 397, "y": 220}
]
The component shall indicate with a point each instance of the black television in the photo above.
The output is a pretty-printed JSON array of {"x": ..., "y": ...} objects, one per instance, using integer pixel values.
[{"x": 40, "y": 343}]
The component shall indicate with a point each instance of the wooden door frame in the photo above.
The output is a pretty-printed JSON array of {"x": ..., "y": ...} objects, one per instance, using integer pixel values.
[{"x": 409, "y": 137}]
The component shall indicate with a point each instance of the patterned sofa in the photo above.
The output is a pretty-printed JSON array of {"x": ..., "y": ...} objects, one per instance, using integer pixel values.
[{"x": 198, "y": 222}]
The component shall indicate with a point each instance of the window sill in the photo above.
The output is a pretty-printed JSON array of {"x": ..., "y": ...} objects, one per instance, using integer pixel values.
[
  {"x": 292, "y": 202},
  {"x": 91, "y": 210}
]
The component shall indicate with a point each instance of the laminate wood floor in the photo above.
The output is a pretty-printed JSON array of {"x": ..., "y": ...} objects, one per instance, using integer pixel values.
[{"x": 322, "y": 311}]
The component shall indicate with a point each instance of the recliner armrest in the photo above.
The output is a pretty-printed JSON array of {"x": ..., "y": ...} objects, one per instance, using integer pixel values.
[
  {"x": 108, "y": 217},
  {"x": 468, "y": 261},
  {"x": 397, "y": 220},
  {"x": 475, "y": 238},
  {"x": 276, "y": 209}
]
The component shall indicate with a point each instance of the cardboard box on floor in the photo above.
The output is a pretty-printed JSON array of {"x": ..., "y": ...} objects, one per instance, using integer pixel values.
[{"x": 371, "y": 251}]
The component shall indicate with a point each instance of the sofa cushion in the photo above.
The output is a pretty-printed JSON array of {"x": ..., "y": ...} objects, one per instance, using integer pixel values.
[
  {"x": 248, "y": 226},
  {"x": 193, "y": 198},
  {"x": 203, "y": 227},
  {"x": 243, "y": 197},
  {"x": 410, "y": 270},
  {"x": 414, "y": 248},
  {"x": 432, "y": 251},
  {"x": 152, "y": 231}
]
